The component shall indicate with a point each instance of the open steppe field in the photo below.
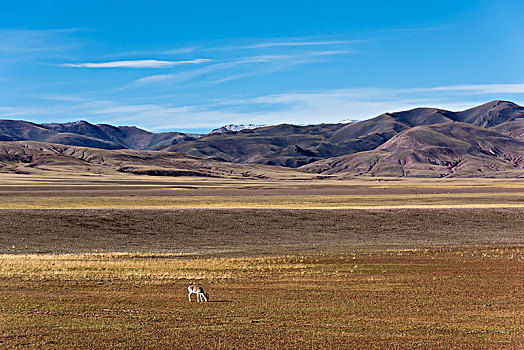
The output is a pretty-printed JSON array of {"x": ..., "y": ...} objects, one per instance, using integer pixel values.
[
  {"x": 105, "y": 262},
  {"x": 149, "y": 192}
]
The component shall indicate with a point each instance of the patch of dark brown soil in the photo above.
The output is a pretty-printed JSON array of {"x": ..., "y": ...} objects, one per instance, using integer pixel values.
[{"x": 249, "y": 231}]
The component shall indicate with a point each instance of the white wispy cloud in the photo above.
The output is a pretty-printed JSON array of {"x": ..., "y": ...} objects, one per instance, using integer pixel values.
[
  {"x": 61, "y": 97},
  {"x": 23, "y": 43},
  {"x": 136, "y": 64},
  {"x": 328, "y": 106},
  {"x": 483, "y": 88},
  {"x": 358, "y": 103},
  {"x": 330, "y": 53},
  {"x": 188, "y": 75},
  {"x": 301, "y": 43},
  {"x": 287, "y": 44},
  {"x": 180, "y": 50},
  {"x": 279, "y": 62}
]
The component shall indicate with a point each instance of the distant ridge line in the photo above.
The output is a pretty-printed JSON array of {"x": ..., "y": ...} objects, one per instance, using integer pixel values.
[{"x": 486, "y": 140}]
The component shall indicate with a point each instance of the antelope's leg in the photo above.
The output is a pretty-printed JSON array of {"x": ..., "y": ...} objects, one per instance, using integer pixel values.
[{"x": 189, "y": 296}]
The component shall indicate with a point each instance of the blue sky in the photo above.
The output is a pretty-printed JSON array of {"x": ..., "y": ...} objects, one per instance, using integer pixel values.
[{"x": 196, "y": 65}]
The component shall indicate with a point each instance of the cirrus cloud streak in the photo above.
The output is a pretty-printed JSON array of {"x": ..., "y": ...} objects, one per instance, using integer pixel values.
[{"x": 136, "y": 64}]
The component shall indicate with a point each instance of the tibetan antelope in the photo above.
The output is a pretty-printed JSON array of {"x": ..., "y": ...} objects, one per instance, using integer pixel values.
[{"x": 199, "y": 291}]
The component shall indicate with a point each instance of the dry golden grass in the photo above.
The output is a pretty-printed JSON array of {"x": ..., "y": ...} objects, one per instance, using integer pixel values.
[
  {"x": 398, "y": 201},
  {"x": 155, "y": 268},
  {"x": 460, "y": 298},
  {"x": 149, "y": 268}
]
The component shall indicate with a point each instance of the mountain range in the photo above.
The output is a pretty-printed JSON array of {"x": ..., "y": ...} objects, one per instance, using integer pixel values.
[{"x": 487, "y": 140}]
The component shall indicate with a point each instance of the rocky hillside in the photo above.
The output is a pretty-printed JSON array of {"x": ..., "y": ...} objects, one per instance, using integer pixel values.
[{"x": 439, "y": 150}]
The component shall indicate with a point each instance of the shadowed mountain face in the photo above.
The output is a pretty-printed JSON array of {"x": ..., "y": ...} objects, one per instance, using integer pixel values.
[
  {"x": 481, "y": 141},
  {"x": 126, "y": 136},
  {"x": 439, "y": 150},
  {"x": 295, "y": 146},
  {"x": 491, "y": 114},
  {"x": 286, "y": 145}
]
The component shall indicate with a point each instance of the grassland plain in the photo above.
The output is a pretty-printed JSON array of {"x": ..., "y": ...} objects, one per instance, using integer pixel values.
[
  {"x": 445, "y": 272},
  {"x": 396, "y": 298},
  {"x": 143, "y": 192}
]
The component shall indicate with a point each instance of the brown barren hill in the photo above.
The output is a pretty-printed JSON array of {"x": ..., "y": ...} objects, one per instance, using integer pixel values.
[
  {"x": 295, "y": 146},
  {"x": 450, "y": 149},
  {"x": 27, "y": 157}
]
